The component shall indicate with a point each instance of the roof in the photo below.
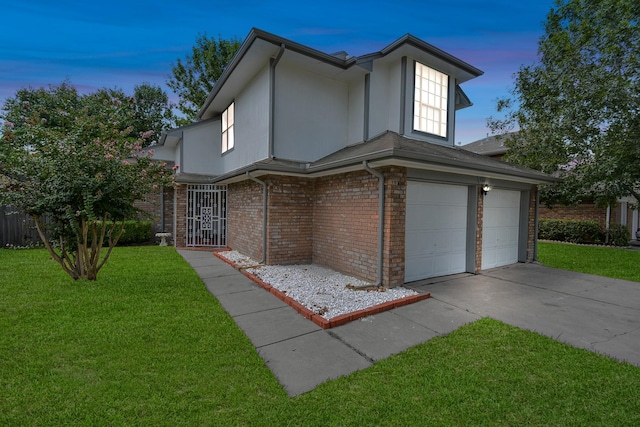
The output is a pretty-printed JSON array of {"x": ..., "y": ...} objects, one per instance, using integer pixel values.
[
  {"x": 260, "y": 45},
  {"x": 489, "y": 146},
  {"x": 388, "y": 149}
]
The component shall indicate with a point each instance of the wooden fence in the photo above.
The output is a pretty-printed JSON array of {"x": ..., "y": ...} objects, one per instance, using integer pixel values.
[{"x": 16, "y": 229}]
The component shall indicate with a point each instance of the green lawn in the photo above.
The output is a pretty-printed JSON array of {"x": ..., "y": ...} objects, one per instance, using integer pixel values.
[
  {"x": 601, "y": 260},
  {"x": 148, "y": 345}
]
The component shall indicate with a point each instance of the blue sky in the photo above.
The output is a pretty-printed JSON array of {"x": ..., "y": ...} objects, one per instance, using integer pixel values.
[{"x": 124, "y": 43}]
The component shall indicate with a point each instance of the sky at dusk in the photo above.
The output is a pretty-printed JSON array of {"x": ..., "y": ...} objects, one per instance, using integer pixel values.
[{"x": 121, "y": 44}]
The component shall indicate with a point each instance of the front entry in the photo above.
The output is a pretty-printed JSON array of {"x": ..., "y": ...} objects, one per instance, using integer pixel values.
[{"x": 207, "y": 215}]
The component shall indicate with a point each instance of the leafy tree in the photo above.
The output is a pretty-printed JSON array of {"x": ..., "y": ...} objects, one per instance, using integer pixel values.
[
  {"x": 578, "y": 107},
  {"x": 193, "y": 78},
  {"x": 71, "y": 158},
  {"x": 152, "y": 110}
]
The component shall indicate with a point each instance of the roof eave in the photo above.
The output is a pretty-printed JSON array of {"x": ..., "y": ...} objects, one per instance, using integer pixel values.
[{"x": 255, "y": 34}]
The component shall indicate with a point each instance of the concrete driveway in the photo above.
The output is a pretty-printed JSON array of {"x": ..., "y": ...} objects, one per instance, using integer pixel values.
[{"x": 591, "y": 312}]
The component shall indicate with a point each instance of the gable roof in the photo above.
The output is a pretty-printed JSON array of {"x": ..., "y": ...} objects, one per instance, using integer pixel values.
[
  {"x": 260, "y": 45},
  {"x": 489, "y": 146},
  {"x": 389, "y": 149}
]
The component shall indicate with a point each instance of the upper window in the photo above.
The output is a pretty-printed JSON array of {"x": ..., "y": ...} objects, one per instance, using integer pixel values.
[
  {"x": 227, "y": 128},
  {"x": 430, "y": 101}
]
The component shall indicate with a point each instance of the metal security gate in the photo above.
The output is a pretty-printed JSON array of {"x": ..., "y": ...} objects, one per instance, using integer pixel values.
[{"x": 207, "y": 215}]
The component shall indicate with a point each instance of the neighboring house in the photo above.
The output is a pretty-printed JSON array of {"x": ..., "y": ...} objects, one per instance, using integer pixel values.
[
  {"x": 622, "y": 213},
  {"x": 349, "y": 162},
  {"x": 491, "y": 146}
]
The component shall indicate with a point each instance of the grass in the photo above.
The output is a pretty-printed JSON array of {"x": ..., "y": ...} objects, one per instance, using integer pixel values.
[
  {"x": 605, "y": 261},
  {"x": 148, "y": 345}
]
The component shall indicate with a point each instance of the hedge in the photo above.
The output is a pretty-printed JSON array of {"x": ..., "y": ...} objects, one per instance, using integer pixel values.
[
  {"x": 582, "y": 231},
  {"x": 135, "y": 232}
]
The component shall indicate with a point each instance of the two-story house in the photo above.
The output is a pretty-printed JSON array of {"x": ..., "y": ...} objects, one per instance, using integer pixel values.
[{"x": 300, "y": 156}]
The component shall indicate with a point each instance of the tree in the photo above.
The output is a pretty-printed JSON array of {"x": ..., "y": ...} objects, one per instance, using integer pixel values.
[
  {"x": 578, "y": 108},
  {"x": 152, "y": 110},
  {"x": 193, "y": 78},
  {"x": 71, "y": 158}
]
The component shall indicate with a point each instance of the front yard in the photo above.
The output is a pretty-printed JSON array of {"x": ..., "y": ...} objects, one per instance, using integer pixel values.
[{"x": 148, "y": 345}]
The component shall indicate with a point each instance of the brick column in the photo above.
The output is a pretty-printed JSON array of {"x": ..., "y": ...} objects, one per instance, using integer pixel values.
[
  {"x": 394, "y": 226},
  {"x": 479, "y": 228},
  {"x": 180, "y": 214},
  {"x": 531, "y": 234}
]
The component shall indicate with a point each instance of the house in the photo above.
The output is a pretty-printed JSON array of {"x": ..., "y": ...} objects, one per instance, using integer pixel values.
[
  {"x": 623, "y": 212},
  {"x": 492, "y": 146},
  {"x": 299, "y": 156}
]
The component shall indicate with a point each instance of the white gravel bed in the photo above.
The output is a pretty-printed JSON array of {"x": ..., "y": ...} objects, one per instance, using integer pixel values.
[{"x": 321, "y": 290}]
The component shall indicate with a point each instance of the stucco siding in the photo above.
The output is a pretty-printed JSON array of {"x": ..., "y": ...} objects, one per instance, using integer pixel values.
[
  {"x": 251, "y": 128},
  {"x": 200, "y": 152},
  {"x": 356, "y": 111},
  {"x": 311, "y": 114},
  {"x": 379, "y": 101}
]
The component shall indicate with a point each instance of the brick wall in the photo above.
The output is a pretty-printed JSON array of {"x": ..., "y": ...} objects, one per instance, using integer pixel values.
[
  {"x": 345, "y": 223},
  {"x": 583, "y": 211},
  {"x": 531, "y": 225},
  {"x": 152, "y": 204},
  {"x": 394, "y": 225},
  {"x": 245, "y": 218},
  {"x": 180, "y": 224},
  {"x": 479, "y": 228},
  {"x": 290, "y": 220}
]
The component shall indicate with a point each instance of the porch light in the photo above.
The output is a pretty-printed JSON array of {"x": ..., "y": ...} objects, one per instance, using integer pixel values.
[{"x": 485, "y": 189}]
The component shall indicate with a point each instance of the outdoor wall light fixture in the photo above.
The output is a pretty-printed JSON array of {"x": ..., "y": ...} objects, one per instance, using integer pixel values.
[{"x": 485, "y": 189}]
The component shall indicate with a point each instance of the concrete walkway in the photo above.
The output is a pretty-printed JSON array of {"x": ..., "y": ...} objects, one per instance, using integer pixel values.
[{"x": 586, "y": 311}]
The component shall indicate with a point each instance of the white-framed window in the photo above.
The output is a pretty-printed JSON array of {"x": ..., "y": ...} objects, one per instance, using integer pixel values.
[
  {"x": 430, "y": 101},
  {"x": 227, "y": 128}
]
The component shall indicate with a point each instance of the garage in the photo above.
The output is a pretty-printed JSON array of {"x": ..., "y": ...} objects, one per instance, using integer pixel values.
[
  {"x": 435, "y": 230},
  {"x": 500, "y": 229}
]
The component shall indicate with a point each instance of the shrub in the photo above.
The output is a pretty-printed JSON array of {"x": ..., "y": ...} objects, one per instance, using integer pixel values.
[
  {"x": 582, "y": 231},
  {"x": 135, "y": 232},
  {"x": 573, "y": 231},
  {"x": 618, "y": 235}
]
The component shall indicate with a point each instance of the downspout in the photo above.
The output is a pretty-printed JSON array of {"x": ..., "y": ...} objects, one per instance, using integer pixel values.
[
  {"x": 380, "y": 218},
  {"x": 264, "y": 216},
  {"x": 272, "y": 101}
]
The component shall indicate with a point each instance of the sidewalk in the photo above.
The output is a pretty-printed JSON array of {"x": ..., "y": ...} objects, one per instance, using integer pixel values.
[
  {"x": 596, "y": 313},
  {"x": 301, "y": 354}
]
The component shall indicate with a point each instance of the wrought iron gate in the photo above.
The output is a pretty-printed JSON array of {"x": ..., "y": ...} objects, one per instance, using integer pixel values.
[{"x": 207, "y": 215}]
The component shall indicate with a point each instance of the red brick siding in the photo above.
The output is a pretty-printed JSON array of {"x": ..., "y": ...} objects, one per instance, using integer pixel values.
[
  {"x": 245, "y": 218},
  {"x": 152, "y": 205},
  {"x": 479, "y": 228},
  {"x": 394, "y": 225},
  {"x": 531, "y": 225},
  {"x": 290, "y": 220},
  {"x": 345, "y": 223},
  {"x": 583, "y": 211},
  {"x": 180, "y": 205}
]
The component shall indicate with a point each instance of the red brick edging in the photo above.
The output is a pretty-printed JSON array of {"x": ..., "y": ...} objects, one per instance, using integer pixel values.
[{"x": 316, "y": 318}]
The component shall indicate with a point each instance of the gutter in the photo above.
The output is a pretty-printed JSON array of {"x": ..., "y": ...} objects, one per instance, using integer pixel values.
[
  {"x": 272, "y": 99},
  {"x": 264, "y": 215},
  {"x": 380, "y": 218}
]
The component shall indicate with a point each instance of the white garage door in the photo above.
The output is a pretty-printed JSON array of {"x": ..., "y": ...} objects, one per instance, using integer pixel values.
[
  {"x": 500, "y": 227},
  {"x": 436, "y": 230}
]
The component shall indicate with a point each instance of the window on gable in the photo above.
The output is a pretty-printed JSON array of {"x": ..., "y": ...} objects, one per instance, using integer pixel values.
[
  {"x": 430, "y": 101},
  {"x": 227, "y": 128}
]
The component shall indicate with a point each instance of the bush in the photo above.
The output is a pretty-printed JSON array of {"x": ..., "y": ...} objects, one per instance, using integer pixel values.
[
  {"x": 618, "y": 235},
  {"x": 582, "y": 231},
  {"x": 135, "y": 232}
]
